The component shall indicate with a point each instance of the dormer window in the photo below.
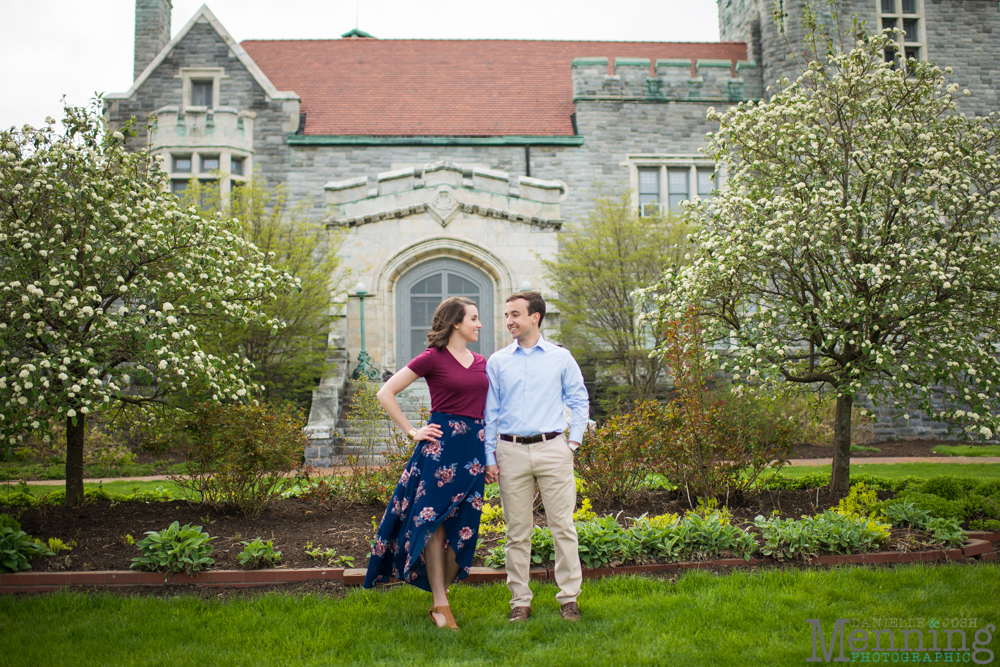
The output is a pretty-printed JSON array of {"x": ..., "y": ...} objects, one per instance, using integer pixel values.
[
  {"x": 201, "y": 93},
  {"x": 201, "y": 87}
]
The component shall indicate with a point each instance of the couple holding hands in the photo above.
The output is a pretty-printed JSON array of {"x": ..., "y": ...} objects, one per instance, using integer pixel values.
[{"x": 497, "y": 421}]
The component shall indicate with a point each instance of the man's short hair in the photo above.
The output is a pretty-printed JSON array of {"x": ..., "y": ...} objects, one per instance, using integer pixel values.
[{"x": 536, "y": 304}]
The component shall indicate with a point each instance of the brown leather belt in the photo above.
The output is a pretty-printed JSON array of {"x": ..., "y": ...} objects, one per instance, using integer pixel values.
[{"x": 529, "y": 439}]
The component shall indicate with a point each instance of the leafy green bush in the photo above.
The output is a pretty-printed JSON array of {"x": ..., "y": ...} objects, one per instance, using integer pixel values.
[
  {"x": 258, "y": 554},
  {"x": 614, "y": 461},
  {"x": 985, "y": 524},
  {"x": 935, "y": 505},
  {"x": 17, "y": 549},
  {"x": 860, "y": 503},
  {"x": 712, "y": 535},
  {"x": 7, "y": 521},
  {"x": 904, "y": 514},
  {"x": 175, "y": 549},
  {"x": 601, "y": 541},
  {"x": 543, "y": 549},
  {"x": 242, "y": 454},
  {"x": 657, "y": 540},
  {"x": 17, "y": 499},
  {"x": 946, "y": 531},
  {"x": 989, "y": 488},
  {"x": 948, "y": 487},
  {"x": 721, "y": 439},
  {"x": 826, "y": 533},
  {"x": 25, "y": 499},
  {"x": 975, "y": 506},
  {"x": 812, "y": 480}
]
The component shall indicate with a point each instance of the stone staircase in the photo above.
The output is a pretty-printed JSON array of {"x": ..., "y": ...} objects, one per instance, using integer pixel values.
[{"x": 356, "y": 438}]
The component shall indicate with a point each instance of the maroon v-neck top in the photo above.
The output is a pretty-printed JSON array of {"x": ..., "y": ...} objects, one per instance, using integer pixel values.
[{"x": 455, "y": 389}]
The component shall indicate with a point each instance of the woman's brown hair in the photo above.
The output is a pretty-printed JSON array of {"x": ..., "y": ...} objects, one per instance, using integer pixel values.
[{"x": 449, "y": 312}]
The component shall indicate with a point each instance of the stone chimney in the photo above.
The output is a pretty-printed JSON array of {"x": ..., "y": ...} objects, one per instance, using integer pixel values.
[{"x": 152, "y": 31}]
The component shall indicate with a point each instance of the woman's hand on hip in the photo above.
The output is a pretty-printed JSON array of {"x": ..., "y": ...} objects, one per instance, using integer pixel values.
[{"x": 429, "y": 432}]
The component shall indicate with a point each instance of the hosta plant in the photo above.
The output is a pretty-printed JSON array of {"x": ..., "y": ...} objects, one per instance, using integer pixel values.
[
  {"x": 17, "y": 549},
  {"x": 257, "y": 554},
  {"x": 175, "y": 549}
]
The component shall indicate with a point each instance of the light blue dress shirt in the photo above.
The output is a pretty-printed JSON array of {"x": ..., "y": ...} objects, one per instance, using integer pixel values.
[{"x": 528, "y": 389}]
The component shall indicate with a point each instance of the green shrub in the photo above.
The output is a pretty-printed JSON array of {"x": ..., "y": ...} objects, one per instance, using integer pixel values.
[
  {"x": 711, "y": 535},
  {"x": 17, "y": 549},
  {"x": 657, "y": 540},
  {"x": 989, "y": 488},
  {"x": 543, "y": 549},
  {"x": 258, "y": 554},
  {"x": 948, "y": 487},
  {"x": 826, "y": 533},
  {"x": 873, "y": 482},
  {"x": 934, "y": 504},
  {"x": 946, "y": 531},
  {"x": 602, "y": 542},
  {"x": 860, "y": 503},
  {"x": 496, "y": 557},
  {"x": 17, "y": 499},
  {"x": 906, "y": 483},
  {"x": 241, "y": 454},
  {"x": 175, "y": 549},
  {"x": 975, "y": 506},
  {"x": 985, "y": 524},
  {"x": 614, "y": 461},
  {"x": 7, "y": 521}
]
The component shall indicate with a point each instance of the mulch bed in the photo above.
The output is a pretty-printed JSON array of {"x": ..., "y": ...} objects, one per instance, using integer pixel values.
[{"x": 99, "y": 528}]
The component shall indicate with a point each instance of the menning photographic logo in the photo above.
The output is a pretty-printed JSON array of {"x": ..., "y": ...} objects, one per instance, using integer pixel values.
[{"x": 874, "y": 640}]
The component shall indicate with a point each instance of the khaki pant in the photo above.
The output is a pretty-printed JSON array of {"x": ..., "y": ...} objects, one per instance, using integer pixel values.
[{"x": 550, "y": 465}]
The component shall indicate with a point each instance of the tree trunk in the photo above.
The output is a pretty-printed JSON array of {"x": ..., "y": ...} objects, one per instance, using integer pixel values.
[
  {"x": 840, "y": 480},
  {"x": 74, "y": 459}
]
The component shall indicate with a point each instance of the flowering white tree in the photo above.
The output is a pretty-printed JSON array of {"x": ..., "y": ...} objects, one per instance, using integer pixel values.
[
  {"x": 105, "y": 281},
  {"x": 856, "y": 243}
]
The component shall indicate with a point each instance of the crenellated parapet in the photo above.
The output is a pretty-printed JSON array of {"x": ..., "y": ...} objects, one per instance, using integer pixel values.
[
  {"x": 444, "y": 190},
  {"x": 640, "y": 80}
]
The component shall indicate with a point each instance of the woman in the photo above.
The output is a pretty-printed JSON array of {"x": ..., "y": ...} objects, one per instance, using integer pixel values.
[{"x": 429, "y": 530}]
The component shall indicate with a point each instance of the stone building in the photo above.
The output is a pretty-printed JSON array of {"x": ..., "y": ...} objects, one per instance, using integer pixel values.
[{"x": 452, "y": 164}]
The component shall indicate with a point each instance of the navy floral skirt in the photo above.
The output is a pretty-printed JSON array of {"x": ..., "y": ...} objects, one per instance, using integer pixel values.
[{"x": 441, "y": 485}]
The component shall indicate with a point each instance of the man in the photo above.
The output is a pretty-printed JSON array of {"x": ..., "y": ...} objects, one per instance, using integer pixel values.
[{"x": 530, "y": 380}]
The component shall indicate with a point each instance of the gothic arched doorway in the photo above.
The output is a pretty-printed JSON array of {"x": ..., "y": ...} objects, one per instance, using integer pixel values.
[{"x": 419, "y": 292}]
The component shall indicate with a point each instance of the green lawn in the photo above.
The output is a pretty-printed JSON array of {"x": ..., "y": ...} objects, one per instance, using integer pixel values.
[
  {"x": 896, "y": 470},
  {"x": 702, "y": 619},
  {"x": 967, "y": 450},
  {"x": 117, "y": 487}
]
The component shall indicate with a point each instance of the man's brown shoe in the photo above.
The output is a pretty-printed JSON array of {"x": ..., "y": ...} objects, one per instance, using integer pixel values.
[
  {"x": 519, "y": 614},
  {"x": 570, "y": 611}
]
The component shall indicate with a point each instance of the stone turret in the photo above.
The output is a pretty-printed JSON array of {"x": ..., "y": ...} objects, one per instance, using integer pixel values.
[{"x": 152, "y": 32}]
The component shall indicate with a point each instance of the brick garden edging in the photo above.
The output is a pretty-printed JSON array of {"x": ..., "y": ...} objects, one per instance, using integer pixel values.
[{"x": 979, "y": 547}]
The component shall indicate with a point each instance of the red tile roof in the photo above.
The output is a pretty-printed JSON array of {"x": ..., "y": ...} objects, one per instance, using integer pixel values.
[{"x": 476, "y": 88}]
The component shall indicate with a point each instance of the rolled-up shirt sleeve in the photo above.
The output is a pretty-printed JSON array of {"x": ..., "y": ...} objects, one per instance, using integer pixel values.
[
  {"x": 492, "y": 412},
  {"x": 575, "y": 397}
]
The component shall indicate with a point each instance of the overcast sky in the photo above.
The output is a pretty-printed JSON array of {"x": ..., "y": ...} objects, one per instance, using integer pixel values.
[{"x": 74, "y": 47}]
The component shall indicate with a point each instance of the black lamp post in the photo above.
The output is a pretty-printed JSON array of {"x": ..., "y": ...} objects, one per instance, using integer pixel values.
[{"x": 364, "y": 368}]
